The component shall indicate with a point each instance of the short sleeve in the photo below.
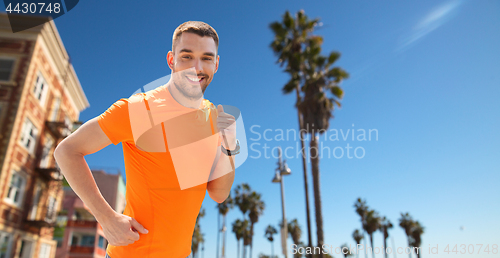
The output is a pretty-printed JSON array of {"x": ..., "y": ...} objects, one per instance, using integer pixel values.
[{"x": 115, "y": 122}]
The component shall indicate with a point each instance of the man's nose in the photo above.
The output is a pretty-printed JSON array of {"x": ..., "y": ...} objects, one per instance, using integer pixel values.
[{"x": 197, "y": 66}]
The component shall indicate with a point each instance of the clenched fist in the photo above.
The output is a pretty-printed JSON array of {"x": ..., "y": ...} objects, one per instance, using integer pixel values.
[
  {"x": 122, "y": 230},
  {"x": 227, "y": 127}
]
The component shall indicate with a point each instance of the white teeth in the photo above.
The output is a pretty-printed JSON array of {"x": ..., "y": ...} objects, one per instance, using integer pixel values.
[{"x": 195, "y": 79}]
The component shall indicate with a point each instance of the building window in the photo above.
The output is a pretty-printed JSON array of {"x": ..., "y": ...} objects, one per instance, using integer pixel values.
[
  {"x": 36, "y": 199},
  {"x": 88, "y": 240},
  {"x": 3, "y": 109},
  {"x": 16, "y": 189},
  {"x": 55, "y": 109},
  {"x": 101, "y": 242},
  {"x": 41, "y": 88},
  {"x": 5, "y": 243},
  {"x": 26, "y": 249},
  {"x": 74, "y": 241},
  {"x": 6, "y": 67},
  {"x": 28, "y": 136},
  {"x": 44, "y": 251},
  {"x": 47, "y": 147},
  {"x": 51, "y": 209}
]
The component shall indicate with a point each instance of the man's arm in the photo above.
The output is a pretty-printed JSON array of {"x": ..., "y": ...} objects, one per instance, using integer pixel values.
[
  {"x": 69, "y": 154},
  {"x": 219, "y": 188}
]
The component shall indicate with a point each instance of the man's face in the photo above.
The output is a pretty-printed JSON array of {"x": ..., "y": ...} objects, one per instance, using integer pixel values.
[{"x": 194, "y": 57}]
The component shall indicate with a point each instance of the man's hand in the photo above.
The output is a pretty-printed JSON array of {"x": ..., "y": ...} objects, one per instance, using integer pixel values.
[
  {"x": 122, "y": 230},
  {"x": 227, "y": 126}
]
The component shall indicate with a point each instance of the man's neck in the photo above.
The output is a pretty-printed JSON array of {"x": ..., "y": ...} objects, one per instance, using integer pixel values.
[{"x": 181, "y": 99}]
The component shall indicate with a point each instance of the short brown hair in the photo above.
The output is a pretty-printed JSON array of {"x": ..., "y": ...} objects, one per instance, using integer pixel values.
[{"x": 197, "y": 27}]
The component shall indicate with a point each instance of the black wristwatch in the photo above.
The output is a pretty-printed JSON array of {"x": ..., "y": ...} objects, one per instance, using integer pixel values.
[{"x": 232, "y": 152}]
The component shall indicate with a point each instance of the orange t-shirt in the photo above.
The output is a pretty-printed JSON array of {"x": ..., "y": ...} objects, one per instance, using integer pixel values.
[{"x": 169, "y": 151}]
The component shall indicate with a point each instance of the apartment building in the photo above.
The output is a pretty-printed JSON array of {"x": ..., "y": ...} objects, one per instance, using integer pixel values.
[
  {"x": 78, "y": 234},
  {"x": 40, "y": 103}
]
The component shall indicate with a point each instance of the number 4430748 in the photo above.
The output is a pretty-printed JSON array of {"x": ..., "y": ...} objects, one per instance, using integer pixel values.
[
  {"x": 32, "y": 8},
  {"x": 463, "y": 249}
]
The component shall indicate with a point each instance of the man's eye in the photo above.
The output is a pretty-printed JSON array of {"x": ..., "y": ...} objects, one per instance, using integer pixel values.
[
  {"x": 185, "y": 57},
  {"x": 208, "y": 58}
]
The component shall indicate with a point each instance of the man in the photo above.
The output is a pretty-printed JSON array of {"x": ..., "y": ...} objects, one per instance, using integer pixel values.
[{"x": 176, "y": 145}]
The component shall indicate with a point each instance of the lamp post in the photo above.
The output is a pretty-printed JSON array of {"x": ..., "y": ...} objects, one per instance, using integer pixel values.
[{"x": 281, "y": 171}]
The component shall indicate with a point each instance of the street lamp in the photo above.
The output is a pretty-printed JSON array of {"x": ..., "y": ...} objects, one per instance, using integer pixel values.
[{"x": 281, "y": 171}]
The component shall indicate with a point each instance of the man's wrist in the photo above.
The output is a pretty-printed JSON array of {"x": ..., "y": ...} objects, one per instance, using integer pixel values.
[
  {"x": 231, "y": 152},
  {"x": 104, "y": 215},
  {"x": 232, "y": 144}
]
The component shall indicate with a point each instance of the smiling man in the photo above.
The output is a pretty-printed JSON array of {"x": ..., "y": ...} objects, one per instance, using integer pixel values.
[{"x": 176, "y": 145}]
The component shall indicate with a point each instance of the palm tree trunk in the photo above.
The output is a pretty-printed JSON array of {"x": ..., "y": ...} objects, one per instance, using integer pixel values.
[
  {"x": 409, "y": 245},
  {"x": 393, "y": 247},
  {"x": 251, "y": 239},
  {"x": 371, "y": 243},
  {"x": 304, "y": 167},
  {"x": 385, "y": 247},
  {"x": 218, "y": 235},
  {"x": 364, "y": 240},
  {"x": 238, "y": 249},
  {"x": 224, "y": 237},
  {"x": 317, "y": 193},
  {"x": 272, "y": 249}
]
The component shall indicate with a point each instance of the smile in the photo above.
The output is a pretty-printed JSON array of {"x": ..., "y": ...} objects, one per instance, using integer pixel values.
[{"x": 195, "y": 79}]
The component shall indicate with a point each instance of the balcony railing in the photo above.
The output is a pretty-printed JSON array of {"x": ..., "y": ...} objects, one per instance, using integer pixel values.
[
  {"x": 82, "y": 223},
  {"x": 40, "y": 223},
  {"x": 81, "y": 249},
  {"x": 58, "y": 129},
  {"x": 53, "y": 173},
  {"x": 62, "y": 129}
]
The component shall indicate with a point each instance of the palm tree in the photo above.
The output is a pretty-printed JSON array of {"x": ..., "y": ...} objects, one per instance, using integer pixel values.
[
  {"x": 295, "y": 233},
  {"x": 290, "y": 36},
  {"x": 242, "y": 198},
  {"x": 416, "y": 233},
  {"x": 406, "y": 222},
  {"x": 372, "y": 224},
  {"x": 247, "y": 238},
  {"x": 357, "y": 237},
  {"x": 223, "y": 209},
  {"x": 317, "y": 110},
  {"x": 362, "y": 210},
  {"x": 256, "y": 209},
  {"x": 385, "y": 225},
  {"x": 270, "y": 231},
  {"x": 218, "y": 235},
  {"x": 239, "y": 227},
  {"x": 345, "y": 253},
  {"x": 197, "y": 235}
]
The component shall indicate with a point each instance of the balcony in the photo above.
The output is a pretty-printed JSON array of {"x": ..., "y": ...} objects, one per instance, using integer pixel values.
[
  {"x": 53, "y": 173},
  {"x": 40, "y": 223},
  {"x": 62, "y": 129},
  {"x": 81, "y": 249},
  {"x": 82, "y": 223}
]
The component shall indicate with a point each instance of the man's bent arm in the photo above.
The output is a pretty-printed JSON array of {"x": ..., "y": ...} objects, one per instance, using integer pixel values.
[
  {"x": 219, "y": 188},
  {"x": 69, "y": 154}
]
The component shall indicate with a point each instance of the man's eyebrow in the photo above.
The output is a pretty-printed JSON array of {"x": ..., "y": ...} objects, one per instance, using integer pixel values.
[{"x": 190, "y": 51}]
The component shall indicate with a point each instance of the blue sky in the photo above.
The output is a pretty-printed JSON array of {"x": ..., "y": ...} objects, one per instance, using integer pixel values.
[{"x": 423, "y": 74}]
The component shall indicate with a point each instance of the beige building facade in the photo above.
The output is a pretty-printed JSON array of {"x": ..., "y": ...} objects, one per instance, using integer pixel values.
[{"x": 40, "y": 104}]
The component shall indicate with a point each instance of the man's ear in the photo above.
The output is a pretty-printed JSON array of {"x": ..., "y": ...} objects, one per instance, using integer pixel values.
[
  {"x": 217, "y": 64},
  {"x": 170, "y": 58}
]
